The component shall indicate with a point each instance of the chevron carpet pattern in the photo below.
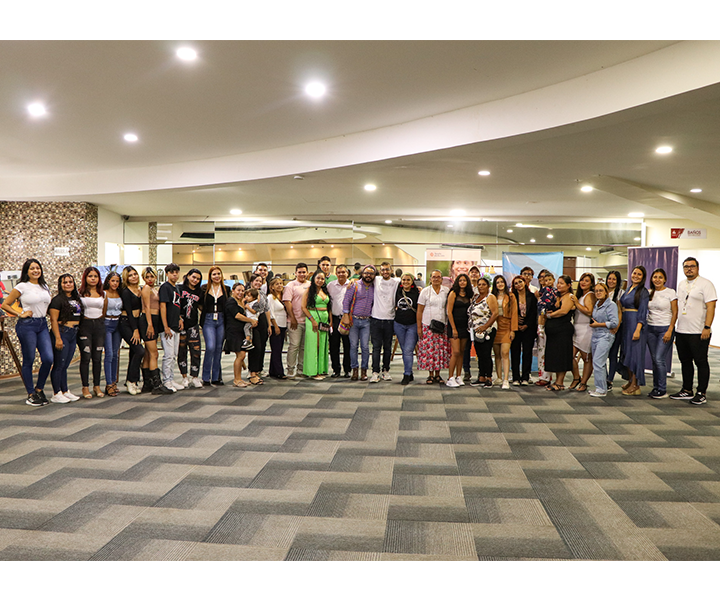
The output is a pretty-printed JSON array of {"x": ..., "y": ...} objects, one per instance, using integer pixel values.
[{"x": 334, "y": 470}]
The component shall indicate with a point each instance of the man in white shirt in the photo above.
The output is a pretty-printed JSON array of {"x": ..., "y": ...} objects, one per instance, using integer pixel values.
[
  {"x": 337, "y": 289},
  {"x": 382, "y": 321},
  {"x": 696, "y": 311}
]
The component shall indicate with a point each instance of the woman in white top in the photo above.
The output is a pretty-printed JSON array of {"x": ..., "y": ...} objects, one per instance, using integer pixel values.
[
  {"x": 31, "y": 327},
  {"x": 433, "y": 345},
  {"x": 91, "y": 332},
  {"x": 662, "y": 315},
  {"x": 278, "y": 324},
  {"x": 582, "y": 338}
]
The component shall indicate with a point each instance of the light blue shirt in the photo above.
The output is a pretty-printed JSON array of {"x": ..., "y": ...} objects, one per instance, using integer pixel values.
[{"x": 608, "y": 314}]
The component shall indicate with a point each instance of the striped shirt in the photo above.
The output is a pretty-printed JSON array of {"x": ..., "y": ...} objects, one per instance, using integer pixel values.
[{"x": 363, "y": 299}]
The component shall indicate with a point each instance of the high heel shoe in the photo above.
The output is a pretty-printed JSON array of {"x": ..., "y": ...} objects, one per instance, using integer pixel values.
[{"x": 98, "y": 392}]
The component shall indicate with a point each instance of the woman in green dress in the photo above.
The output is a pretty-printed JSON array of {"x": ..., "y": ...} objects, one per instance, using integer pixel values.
[{"x": 316, "y": 305}]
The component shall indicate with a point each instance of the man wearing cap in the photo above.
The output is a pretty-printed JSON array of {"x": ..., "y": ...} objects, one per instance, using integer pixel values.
[{"x": 357, "y": 309}]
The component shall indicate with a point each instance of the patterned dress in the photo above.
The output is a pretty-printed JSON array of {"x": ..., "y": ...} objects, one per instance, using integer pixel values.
[{"x": 548, "y": 295}]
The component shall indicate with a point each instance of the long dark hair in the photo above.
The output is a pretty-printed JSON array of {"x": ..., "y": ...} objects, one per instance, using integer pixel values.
[
  {"x": 618, "y": 284},
  {"x": 186, "y": 282},
  {"x": 652, "y": 283},
  {"x": 67, "y": 311},
  {"x": 25, "y": 276},
  {"x": 108, "y": 277},
  {"x": 506, "y": 291},
  {"x": 468, "y": 287},
  {"x": 84, "y": 291},
  {"x": 313, "y": 291},
  {"x": 567, "y": 280},
  {"x": 641, "y": 289},
  {"x": 515, "y": 292}
]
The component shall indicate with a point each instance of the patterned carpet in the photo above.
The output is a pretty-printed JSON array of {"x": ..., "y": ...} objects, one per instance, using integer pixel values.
[{"x": 333, "y": 470}]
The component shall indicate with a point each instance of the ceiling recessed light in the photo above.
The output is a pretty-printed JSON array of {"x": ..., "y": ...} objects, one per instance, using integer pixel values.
[
  {"x": 637, "y": 239},
  {"x": 36, "y": 109},
  {"x": 239, "y": 249},
  {"x": 588, "y": 248},
  {"x": 550, "y": 235},
  {"x": 219, "y": 249},
  {"x": 483, "y": 173},
  {"x": 532, "y": 240},
  {"x": 130, "y": 137},
  {"x": 235, "y": 211},
  {"x": 315, "y": 89},
  {"x": 451, "y": 225},
  {"x": 370, "y": 187},
  {"x": 663, "y": 150},
  {"x": 586, "y": 188},
  {"x": 388, "y": 221},
  {"x": 291, "y": 247},
  {"x": 518, "y": 225},
  {"x": 312, "y": 246},
  {"x": 186, "y": 53},
  {"x": 636, "y": 215},
  {"x": 696, "y": 190},
  {"x": 457, "y": 212},
  {"x": 509, "y": 230}
]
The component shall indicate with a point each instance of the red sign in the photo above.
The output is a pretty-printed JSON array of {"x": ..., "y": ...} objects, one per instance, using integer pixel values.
[{"x": 675, "y": 233}]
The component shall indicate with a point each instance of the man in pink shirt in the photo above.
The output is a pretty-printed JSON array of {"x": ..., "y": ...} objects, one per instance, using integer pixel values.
[{"x": 292, "y": 299}]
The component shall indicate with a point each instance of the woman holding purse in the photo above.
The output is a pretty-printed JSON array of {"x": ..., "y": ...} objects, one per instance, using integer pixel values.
[{"x": 317, "y": 308}]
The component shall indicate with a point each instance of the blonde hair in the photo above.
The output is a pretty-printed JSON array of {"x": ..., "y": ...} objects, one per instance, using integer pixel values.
[
  {"x": 148, "y": 270},
  {"x": 125, "y": 275}
]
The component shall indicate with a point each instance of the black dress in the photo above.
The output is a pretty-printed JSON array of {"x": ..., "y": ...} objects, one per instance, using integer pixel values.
[
  {"x": 460, "y": 316},
  {"x": 234, "y": 329},
  {"x": 559, "y": 343}
]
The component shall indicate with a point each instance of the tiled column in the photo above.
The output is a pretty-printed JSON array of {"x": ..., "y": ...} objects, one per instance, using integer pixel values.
[{"x": 36, "y": 230}]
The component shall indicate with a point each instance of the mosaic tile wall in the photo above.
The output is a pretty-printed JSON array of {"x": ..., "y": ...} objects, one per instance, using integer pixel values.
[{"x": 36, "y": 229}]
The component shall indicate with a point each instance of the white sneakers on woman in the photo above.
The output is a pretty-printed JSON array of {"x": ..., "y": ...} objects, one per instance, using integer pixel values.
[
  {"x": 454, "y": 382},
  {"x": 71, "y": 397},
  {"x": 505, "y": 385},
  {"x": 60, "y": 398}
]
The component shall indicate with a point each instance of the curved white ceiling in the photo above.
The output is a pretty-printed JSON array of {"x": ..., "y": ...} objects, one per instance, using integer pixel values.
[{"x": 239, "y": 115}]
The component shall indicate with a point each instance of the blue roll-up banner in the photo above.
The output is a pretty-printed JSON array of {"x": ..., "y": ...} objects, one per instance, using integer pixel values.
[
  {"x": 513, "y": 263},
  {"x": 656, "y": 257}
]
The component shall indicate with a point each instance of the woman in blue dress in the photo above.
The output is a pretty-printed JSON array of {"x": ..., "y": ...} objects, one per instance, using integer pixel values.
[{"x": 634, "y": 304}]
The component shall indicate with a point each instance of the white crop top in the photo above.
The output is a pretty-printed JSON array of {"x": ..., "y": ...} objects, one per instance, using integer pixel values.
[
  {"x": 34, "y": 297},
  {"x": 93, "y": 307}
]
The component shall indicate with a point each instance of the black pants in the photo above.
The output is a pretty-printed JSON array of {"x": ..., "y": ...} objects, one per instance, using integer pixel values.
[
  {"x": 483, "y": 350},
  {"x": 91, "y": 341},
  {"x": 466, "y": 358},
  {"x": 335, "y": 339},
  {"x": 381, "y": 334},
  {"x": 256, "y": 356},
  {"x": 189, "y": 338},
  {"x": 523, "y": 343},
  {"x": 276, "y": 346},
  {"x": 137, "y": 351},
  {"x": 693, "y": 349}
]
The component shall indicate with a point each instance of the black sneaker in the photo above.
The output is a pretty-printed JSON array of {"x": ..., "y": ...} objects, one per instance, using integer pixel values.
[
  {"x": 699, "y": 399},
  {"x": 682, "y": 395},
  {"x": 218, "y": 382},
  {"x": 652, "y": 392},
  {"x": 467, "y": 377},
  {"x": 406, "y": 379},
  {"x": 207, "y": 384},
  {"x": 35, "y": 400},
  {"x": 412, "y": 377},
  {"x": 346, "y": 376},
  {"x": 488, "y": 383},
  {"x": 335, "y": 375},
  {"x": 42, "y": 396},
  {"x": 609, "y": 385},
  {"x": 658, "y": 395}
]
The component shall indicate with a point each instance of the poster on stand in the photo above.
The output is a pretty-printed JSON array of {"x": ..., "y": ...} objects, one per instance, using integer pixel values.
[{"x": 451, "y": 262}]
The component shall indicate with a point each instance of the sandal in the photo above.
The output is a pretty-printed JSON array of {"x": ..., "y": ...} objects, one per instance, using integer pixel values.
[
  {"x": 574, "y": 384},
  {"x": 257, "y": 381},
  {"x": 87, "y": 395},
  {"x": 240, "y": 384},
  {"x": 581, "y": 388},
  {"x": 438, "y": 379},
  {"x": 554, "y": 387},
  {"x": 430, "y": 380}
]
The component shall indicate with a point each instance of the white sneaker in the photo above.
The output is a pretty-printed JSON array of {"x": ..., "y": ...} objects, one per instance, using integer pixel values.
[
  {"x": 516, "y": 382},
  {"x": 505, "y": 385},
  {"x": 197, "y": 382},
  {"x": 497, "y": 380},
  {"x": 60, "y": 398},
  {"x": 386, "y": 376},
  {"x": 71, "y": 397},
  {"x": 375, "y": 378},
  {"x": 451, "y": 382},
  {"x": 185, "y": 383},
  {"x": 597, "y": 394},
  {"x": 459, "y": 380},
  {"x": 132, "y": 388},
  {"x": 171, "y": 385}
]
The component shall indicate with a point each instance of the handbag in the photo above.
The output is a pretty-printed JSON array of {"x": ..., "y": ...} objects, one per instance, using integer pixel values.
[
  {"x": 437, "y": 326},
  {"x": 322, "y": 326}
]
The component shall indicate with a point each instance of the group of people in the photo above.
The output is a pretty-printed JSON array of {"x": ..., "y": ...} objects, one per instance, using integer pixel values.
[{"x": 321, "y": 312}]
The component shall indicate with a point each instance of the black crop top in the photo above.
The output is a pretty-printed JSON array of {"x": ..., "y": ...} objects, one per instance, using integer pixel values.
[
  {"x": 131, "y": 302},
  {"x": 207, "y": 300}
]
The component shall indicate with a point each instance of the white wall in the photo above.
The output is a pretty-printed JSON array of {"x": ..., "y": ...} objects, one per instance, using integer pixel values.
[{"x": 110, "y": 237}]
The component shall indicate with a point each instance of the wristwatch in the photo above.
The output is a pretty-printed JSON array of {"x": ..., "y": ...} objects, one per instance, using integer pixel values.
[{"x": 707, "y": 327}]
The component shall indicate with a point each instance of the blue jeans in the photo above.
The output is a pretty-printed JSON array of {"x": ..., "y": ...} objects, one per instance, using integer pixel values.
[
  {"x": 112, "y": 350},
  {"x": 601, "y": 345},
  {"x": 407, "y": 335},
  {"x": 34, "y": 335},
  {"x": 62, "y": 358},
  {"x": 658, "y": 350},
  {"x": 214, "y": 334},
  {"x": 360, "y": 331}
]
